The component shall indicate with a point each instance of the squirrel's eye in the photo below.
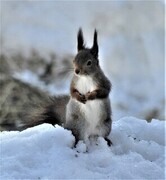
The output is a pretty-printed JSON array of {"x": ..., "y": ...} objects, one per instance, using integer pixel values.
[{"x": 89, "y": 63}]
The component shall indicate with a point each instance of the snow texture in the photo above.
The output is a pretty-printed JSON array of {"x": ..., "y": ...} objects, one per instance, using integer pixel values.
[{"x": 46, "y": 152}]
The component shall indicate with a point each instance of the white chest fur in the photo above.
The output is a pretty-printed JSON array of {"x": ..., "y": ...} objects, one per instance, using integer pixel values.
[
  {"x": 85, "y": 84},
  {"x": 92, "y": 110}
]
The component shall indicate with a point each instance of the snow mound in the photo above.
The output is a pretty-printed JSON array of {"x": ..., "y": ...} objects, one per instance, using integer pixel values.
[{"x": 46, "y": 152}]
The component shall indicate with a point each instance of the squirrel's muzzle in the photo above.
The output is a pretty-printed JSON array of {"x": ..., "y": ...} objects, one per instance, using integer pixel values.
[{"x": 77, "y": 71}]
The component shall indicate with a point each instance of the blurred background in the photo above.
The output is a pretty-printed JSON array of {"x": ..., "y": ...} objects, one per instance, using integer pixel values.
[{"x": 39, "y": 42}]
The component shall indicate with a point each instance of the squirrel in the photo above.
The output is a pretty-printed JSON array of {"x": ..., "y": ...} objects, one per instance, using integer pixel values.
[{"x": 88, "y": 112}]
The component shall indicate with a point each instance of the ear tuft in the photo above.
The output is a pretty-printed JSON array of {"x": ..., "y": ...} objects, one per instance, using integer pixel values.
[
  {"x": 80, "y": 40},
  {"x": 94, "y": 49}
]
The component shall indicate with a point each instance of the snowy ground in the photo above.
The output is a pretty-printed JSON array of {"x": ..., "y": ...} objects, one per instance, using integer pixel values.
[{"x": 45, "y": 152}]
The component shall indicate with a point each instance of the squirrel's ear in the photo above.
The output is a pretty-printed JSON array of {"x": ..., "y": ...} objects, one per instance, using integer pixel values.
[
  {"x": 80, "y": 40},
  {"x": 94, "y": 49}
]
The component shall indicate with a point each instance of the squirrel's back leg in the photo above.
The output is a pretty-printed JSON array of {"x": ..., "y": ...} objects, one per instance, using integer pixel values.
[
  {"x": 75, "y": 121},
  {"x": 108, "y": 127}
]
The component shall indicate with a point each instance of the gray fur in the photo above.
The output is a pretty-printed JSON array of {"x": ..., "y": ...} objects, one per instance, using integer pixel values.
[{"x": 88, "y": 112}]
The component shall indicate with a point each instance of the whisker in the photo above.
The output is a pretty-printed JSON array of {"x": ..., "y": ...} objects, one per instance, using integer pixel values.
[
  {"x": 67, "y": 75},
  {"x": 63, "y": 70}
]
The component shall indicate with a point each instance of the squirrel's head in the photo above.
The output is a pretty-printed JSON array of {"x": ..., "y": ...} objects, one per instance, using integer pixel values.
[{"x": 86, "y": 61}]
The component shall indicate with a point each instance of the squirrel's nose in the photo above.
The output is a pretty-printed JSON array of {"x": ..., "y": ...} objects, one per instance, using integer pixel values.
[{"x": 77, "y": 71}]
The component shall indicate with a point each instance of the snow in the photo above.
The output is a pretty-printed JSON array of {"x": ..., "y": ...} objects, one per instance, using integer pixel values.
[{"x": 46, "y": 152}]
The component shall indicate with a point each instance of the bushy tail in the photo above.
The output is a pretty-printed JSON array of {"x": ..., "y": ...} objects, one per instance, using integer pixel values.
[{"x": 52, "y": 111}]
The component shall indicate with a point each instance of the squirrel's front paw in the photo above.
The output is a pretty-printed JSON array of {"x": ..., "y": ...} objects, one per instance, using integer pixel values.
[
  {"x": 81, "y": 98},
  {"x": 90, "y": 95}
]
